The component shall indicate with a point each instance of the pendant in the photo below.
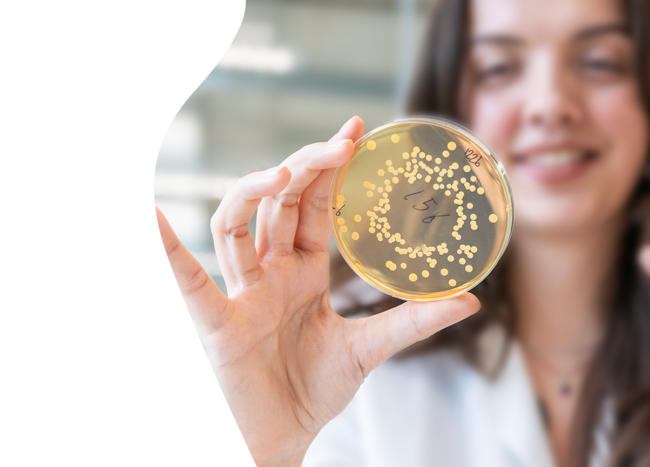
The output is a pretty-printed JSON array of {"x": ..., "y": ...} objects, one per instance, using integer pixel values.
[{"x": 565, "y": 389}]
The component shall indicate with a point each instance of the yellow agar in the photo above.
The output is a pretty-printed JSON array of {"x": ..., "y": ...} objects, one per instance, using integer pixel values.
[{"x": 417, "y": 223}]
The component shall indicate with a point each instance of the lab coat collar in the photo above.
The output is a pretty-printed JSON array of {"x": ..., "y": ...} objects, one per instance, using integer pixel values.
[{"x": 511, "y": 403}]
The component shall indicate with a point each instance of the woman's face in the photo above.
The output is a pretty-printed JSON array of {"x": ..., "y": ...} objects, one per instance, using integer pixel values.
[{"x": 551, "y": 89}]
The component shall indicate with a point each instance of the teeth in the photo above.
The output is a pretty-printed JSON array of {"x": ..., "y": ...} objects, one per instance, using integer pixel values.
[{"x": 555, "y": 159}]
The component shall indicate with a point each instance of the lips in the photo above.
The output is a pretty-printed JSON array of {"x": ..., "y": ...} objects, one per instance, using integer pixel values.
[{"x": 555, "y": 165}]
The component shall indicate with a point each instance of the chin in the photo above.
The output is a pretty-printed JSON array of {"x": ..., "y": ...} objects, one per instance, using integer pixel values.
[{"x": 559, "y": 217}]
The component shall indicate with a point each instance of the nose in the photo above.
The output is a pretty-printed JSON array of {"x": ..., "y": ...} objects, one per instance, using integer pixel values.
[{"x": 552, "y": 99}]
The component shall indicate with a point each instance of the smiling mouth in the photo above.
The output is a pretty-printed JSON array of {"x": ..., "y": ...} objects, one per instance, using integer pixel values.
[
  {"x": 556, "y": 165},
  {"x": 559, "y": 158}
]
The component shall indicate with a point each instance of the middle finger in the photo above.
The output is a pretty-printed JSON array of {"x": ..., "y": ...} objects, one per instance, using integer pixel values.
[{"x": 277, "y": 218}]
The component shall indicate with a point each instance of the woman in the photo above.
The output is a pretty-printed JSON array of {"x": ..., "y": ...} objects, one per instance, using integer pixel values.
[{"x": 555, "y": 369}]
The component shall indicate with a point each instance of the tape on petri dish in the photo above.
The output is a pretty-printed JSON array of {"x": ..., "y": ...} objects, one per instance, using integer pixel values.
[{"x": 422, "y": 211}]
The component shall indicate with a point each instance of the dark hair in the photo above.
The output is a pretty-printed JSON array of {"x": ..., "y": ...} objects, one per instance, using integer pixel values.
[{"x": 620, "y": 367}]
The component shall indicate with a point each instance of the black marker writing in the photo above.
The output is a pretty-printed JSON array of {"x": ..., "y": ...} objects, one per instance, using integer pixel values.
[
  {"x": 428, "y": 220},
  {"x": 416, "y": 193},
  {"x": 473, "y": 157},
  {"x": 426, "y": 203}
]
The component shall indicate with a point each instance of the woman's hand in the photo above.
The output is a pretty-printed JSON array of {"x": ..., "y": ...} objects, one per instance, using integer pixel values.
[{"x": 287, "y": 363}]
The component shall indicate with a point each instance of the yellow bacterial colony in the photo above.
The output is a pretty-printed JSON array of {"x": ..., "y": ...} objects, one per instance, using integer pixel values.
[{"x": 421, "y": 196}]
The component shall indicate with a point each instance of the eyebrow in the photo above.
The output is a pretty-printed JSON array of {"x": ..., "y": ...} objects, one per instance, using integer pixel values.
[
  {"x": 496, "y": 39},
  {"x": 585, "y": 34},
  {"x": 590, "y": 33}
]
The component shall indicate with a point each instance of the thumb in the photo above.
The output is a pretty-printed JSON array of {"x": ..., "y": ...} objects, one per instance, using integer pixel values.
[
  {"x": 352, "y": 129},
  {"x": 383, "y": 335}
]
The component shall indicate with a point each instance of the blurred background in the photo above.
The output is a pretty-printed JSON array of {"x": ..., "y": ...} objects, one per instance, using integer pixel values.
[{"x": 296, "y": 71}]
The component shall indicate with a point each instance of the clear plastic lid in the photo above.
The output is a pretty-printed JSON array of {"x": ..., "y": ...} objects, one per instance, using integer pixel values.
[{"x": 422, "y": 211}]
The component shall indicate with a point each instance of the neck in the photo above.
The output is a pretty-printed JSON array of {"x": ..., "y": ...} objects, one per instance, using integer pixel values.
[{"x": 559, "y": 285}]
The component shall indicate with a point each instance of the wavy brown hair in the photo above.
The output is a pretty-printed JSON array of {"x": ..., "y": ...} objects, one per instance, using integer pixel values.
[{"x": 620, "y": 367}]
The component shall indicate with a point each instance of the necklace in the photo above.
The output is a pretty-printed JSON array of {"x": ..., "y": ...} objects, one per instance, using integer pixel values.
[{"x": 566, "y": 377}]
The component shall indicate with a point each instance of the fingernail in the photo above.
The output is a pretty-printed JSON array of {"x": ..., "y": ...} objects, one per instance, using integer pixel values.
[
  {"x": 337, "y": 143},
  {"x": 347, "y": 124},
  {"x": 271, "y": 172}
]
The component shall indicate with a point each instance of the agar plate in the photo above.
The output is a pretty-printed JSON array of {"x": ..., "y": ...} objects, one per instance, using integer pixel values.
[{"x": 422, "y": 211}]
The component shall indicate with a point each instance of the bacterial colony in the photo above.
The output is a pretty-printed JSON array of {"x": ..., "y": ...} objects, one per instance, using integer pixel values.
[{"x": 422, "y": 211}]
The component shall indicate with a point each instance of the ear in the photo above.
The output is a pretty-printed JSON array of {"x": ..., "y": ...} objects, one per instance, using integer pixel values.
[{"x": 641, "y": 216}]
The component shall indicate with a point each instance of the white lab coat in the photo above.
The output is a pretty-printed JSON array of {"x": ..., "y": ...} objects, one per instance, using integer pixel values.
[{"x": 436, "y": 410}]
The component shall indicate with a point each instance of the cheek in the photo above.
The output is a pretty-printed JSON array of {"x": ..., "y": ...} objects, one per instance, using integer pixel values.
[
  {"x": 619, "y": 117},
  {"x": 495, "y": 120},
  {"x": 618, "y": 113}
]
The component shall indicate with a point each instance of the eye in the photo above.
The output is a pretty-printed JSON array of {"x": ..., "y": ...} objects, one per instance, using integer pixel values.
[
  {"x": 603, "y": 66},
  {"x": 496, "y": 73},
  {"x": 602, "y": 69}
]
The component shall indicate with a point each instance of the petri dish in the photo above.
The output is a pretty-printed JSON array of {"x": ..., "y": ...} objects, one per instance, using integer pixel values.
[{"x": 423, "y": 211}]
